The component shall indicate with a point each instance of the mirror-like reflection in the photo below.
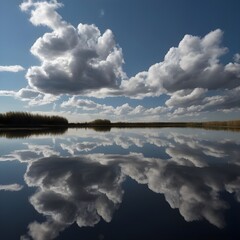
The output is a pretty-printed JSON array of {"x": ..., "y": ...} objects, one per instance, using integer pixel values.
[
  {"x": 28, "y": 132},
  {"x": 81, "y": 178}
]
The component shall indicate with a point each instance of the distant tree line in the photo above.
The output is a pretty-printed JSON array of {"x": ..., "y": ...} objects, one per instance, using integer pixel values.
[
  {"x": 25, "y": 119},
  {"x": 100, "y": 122},
  {"x": 106, "y": 125},
  {"x": 29, "y": 119}
]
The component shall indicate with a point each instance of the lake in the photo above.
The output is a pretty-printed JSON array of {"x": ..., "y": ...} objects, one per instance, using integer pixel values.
[{"x": 159, "y": 183}]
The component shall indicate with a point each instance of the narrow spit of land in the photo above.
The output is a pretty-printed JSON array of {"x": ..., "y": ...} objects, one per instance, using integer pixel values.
[
  {"x": 14, "y": 121},
  {"x": 98, "y": 124}
]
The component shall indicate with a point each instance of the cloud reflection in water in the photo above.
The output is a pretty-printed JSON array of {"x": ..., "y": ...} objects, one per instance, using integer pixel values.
[{"x": 84, "y": 188}]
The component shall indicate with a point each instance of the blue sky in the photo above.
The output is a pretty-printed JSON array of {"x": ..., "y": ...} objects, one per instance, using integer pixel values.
[{"x": 149, "y": 60}]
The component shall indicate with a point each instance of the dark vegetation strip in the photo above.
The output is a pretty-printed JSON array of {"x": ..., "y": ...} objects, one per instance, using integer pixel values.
[
  {"x": 107, "y": 125},
  {"x": 27, "y": 121},
  {"x": 24, "y": 119},
  {"x": 28, "y": 132}
]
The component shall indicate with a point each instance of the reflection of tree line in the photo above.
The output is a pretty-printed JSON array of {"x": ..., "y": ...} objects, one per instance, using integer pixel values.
[
  {"x": 15, "y": 132},
  {"x": 28, "y": 132},
  {"x": 106, "y": 125}
]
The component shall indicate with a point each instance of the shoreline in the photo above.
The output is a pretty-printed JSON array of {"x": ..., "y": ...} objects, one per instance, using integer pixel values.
[
  {"x": 24, "y": 131},
  {"x": 205, "y": 125}
]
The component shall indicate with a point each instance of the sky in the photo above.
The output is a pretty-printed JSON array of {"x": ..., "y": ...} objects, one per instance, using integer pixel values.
[{"x": 148, "y": 60}]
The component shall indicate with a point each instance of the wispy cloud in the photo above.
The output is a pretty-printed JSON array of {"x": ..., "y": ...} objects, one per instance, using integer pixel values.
[
  {"x": 33, "y": 97},
  {"x": 14, "y": 68},
  {"x": 102, "y": 13},
  {"x": 11, "y": 187}
]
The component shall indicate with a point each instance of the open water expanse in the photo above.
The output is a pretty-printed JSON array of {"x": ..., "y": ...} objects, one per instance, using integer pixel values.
[{"x": 124, "y": 184}]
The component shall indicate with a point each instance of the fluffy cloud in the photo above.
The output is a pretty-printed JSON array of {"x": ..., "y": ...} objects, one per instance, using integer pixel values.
[
  {"x": 186, "y": 97},
  {"x": 73, "y": 60},
  {"x": 110, "y": 111},
  {"x": 236, "y": 58},
  {"x": 85, "y": 104},
  {"x": 14, "y": 68},
  {"x": 83, "y": 61},
  {"x": 43, "y": 231},
  {"x": 195, "y": 63},
  {"x": 89, "y": 186},
  {"x": 26, "y": 94},
  {"x": 188, "y": 179},
  {"x": 73, "y": 190},
  {"x": 32, "y": 153},
  {"x": 33, "y": 97},
  {"x": 228, "y": 101},
  {"x": 75, "y": 148},
  {"x": 121, "y": 139}
]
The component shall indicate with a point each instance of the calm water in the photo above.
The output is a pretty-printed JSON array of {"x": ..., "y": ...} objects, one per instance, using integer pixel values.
[{"x": 123, "y": 184}]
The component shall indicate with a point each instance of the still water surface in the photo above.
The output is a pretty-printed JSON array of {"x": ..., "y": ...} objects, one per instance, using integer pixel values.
[{"x": 123, "y": 184}]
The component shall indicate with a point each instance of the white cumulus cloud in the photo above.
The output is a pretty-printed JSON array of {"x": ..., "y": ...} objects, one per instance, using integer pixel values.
[
  {"x": 73, "y": 60},
  {"x": 80, "y": 60},
  {"x": 195, "y": 63}
]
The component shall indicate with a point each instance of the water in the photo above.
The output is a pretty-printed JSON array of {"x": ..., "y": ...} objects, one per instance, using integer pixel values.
[{"x": 123, "y": 184}]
